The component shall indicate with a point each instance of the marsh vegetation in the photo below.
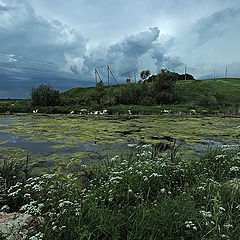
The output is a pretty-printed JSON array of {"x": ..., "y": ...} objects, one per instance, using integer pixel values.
[
  {"x": 56, "y": 139},
  {"x": 145, "y": 195}
]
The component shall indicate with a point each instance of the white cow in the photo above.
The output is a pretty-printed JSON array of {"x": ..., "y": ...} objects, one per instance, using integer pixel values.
[
  {"x": 72, "y": 112},
  {"x": 166, "y": 111},
  {"x": 35, "y": 111},
  {"x": 129, "y": 112},
  {"x": 104, "y": 111},
  {"x": 193, "y": 111}
]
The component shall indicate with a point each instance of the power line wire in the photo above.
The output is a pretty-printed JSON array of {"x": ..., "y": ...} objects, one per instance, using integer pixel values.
[
  {"x": 34, "y": 61},
  {"x": 8, "y": 69}
]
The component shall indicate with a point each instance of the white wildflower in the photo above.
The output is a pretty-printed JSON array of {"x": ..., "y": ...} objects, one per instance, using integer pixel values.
[
  {"x": 234, "y": 169},
  {"x": 206, "y": 214}
]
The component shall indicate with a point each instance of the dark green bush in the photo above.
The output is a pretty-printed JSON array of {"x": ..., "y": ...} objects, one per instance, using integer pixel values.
[
  {"x": 206, "y": 99},
  {"x": 44, "y": 95}
]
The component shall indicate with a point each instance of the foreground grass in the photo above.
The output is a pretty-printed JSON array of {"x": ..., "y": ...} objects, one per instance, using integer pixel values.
[{"x": 147, "y": 195}]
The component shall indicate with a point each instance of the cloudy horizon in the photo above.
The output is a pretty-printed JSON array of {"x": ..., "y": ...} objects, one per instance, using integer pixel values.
[{"x": 61, "y": 42}]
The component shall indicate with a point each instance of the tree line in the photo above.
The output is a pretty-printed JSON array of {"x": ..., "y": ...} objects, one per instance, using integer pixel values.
[{"x": 150, "y": 90}]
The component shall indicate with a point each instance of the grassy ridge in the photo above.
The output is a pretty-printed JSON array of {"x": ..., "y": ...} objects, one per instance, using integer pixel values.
[{"x": 226, "y": 90}]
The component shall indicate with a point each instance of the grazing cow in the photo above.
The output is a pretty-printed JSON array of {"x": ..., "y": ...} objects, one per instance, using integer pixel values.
[
  {"x": 96, "y": 112},
  {"x": 84, "y": 111},
  {"x": 35, "y": 111},
  {"x": 104, "y": 111},
  {"x": 166, "y": 111},
  {"x": 129, "y": 112},
  {"x": 72, "y": 112},
  {"x": 193, "y": 111}
]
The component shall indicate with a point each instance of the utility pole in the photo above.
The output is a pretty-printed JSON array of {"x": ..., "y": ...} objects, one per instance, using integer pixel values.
[
  {"x": 112, "y": 73},
  {"x": 135, "y": 77},
  {"x": 97, "y": 75},
  {"x": 185, "y": 70},
  {"x": 214, "y": 74},
  {"x": 108, "y": 75},
  {"x": 226, "y": 72}
]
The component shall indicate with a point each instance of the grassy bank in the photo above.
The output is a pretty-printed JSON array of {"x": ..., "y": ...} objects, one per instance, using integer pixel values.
[
  {"x": 146, "y": 195},
  {"x": 209, "y": 96}
]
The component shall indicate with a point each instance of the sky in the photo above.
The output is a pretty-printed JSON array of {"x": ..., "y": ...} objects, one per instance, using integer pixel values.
[{"x": 61, "y": 42}]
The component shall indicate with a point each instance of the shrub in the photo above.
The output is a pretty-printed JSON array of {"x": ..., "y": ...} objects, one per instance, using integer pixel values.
[
  {"x": 44, "y": 95},
  {"x": 148, "y": 101},
  {"x": 206, "y": 99},
  {"x": 163, "y": 87}
]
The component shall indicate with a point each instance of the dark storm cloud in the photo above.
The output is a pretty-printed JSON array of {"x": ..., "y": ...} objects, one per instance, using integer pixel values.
[
  {"x": 33, "y": 50},
  {"x": 34, "y": 37},
  {"x": 126, "y": 53},
  {"x": 124, "y": 56},
  {"x": 215, "y": 25}
]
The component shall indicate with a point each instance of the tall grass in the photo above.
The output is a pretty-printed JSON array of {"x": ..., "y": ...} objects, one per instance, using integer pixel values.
[{"x": 144, "y": 196}]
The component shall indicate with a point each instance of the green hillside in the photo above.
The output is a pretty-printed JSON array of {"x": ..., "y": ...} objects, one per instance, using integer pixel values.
[
  {"x": 226, "y": 90},
  {"x": 83, "y": 91},
  {"x": 77, "y": 92}
]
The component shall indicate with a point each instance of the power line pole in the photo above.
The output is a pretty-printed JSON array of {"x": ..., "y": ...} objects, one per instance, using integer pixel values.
[
  {"x": 185, "y": 70},
  {"x": 97, "y": 75},
  {"x": 214, "y": 74},
  {"x": 108, "y": 75},
  {"x": 135, "y": 77},
  {"x": 112, "y": 74},
  {"x": 226, "y": 72}
]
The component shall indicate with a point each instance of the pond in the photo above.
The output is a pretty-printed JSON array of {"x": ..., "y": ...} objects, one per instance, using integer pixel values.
[{"x": 55, "y": 141}]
